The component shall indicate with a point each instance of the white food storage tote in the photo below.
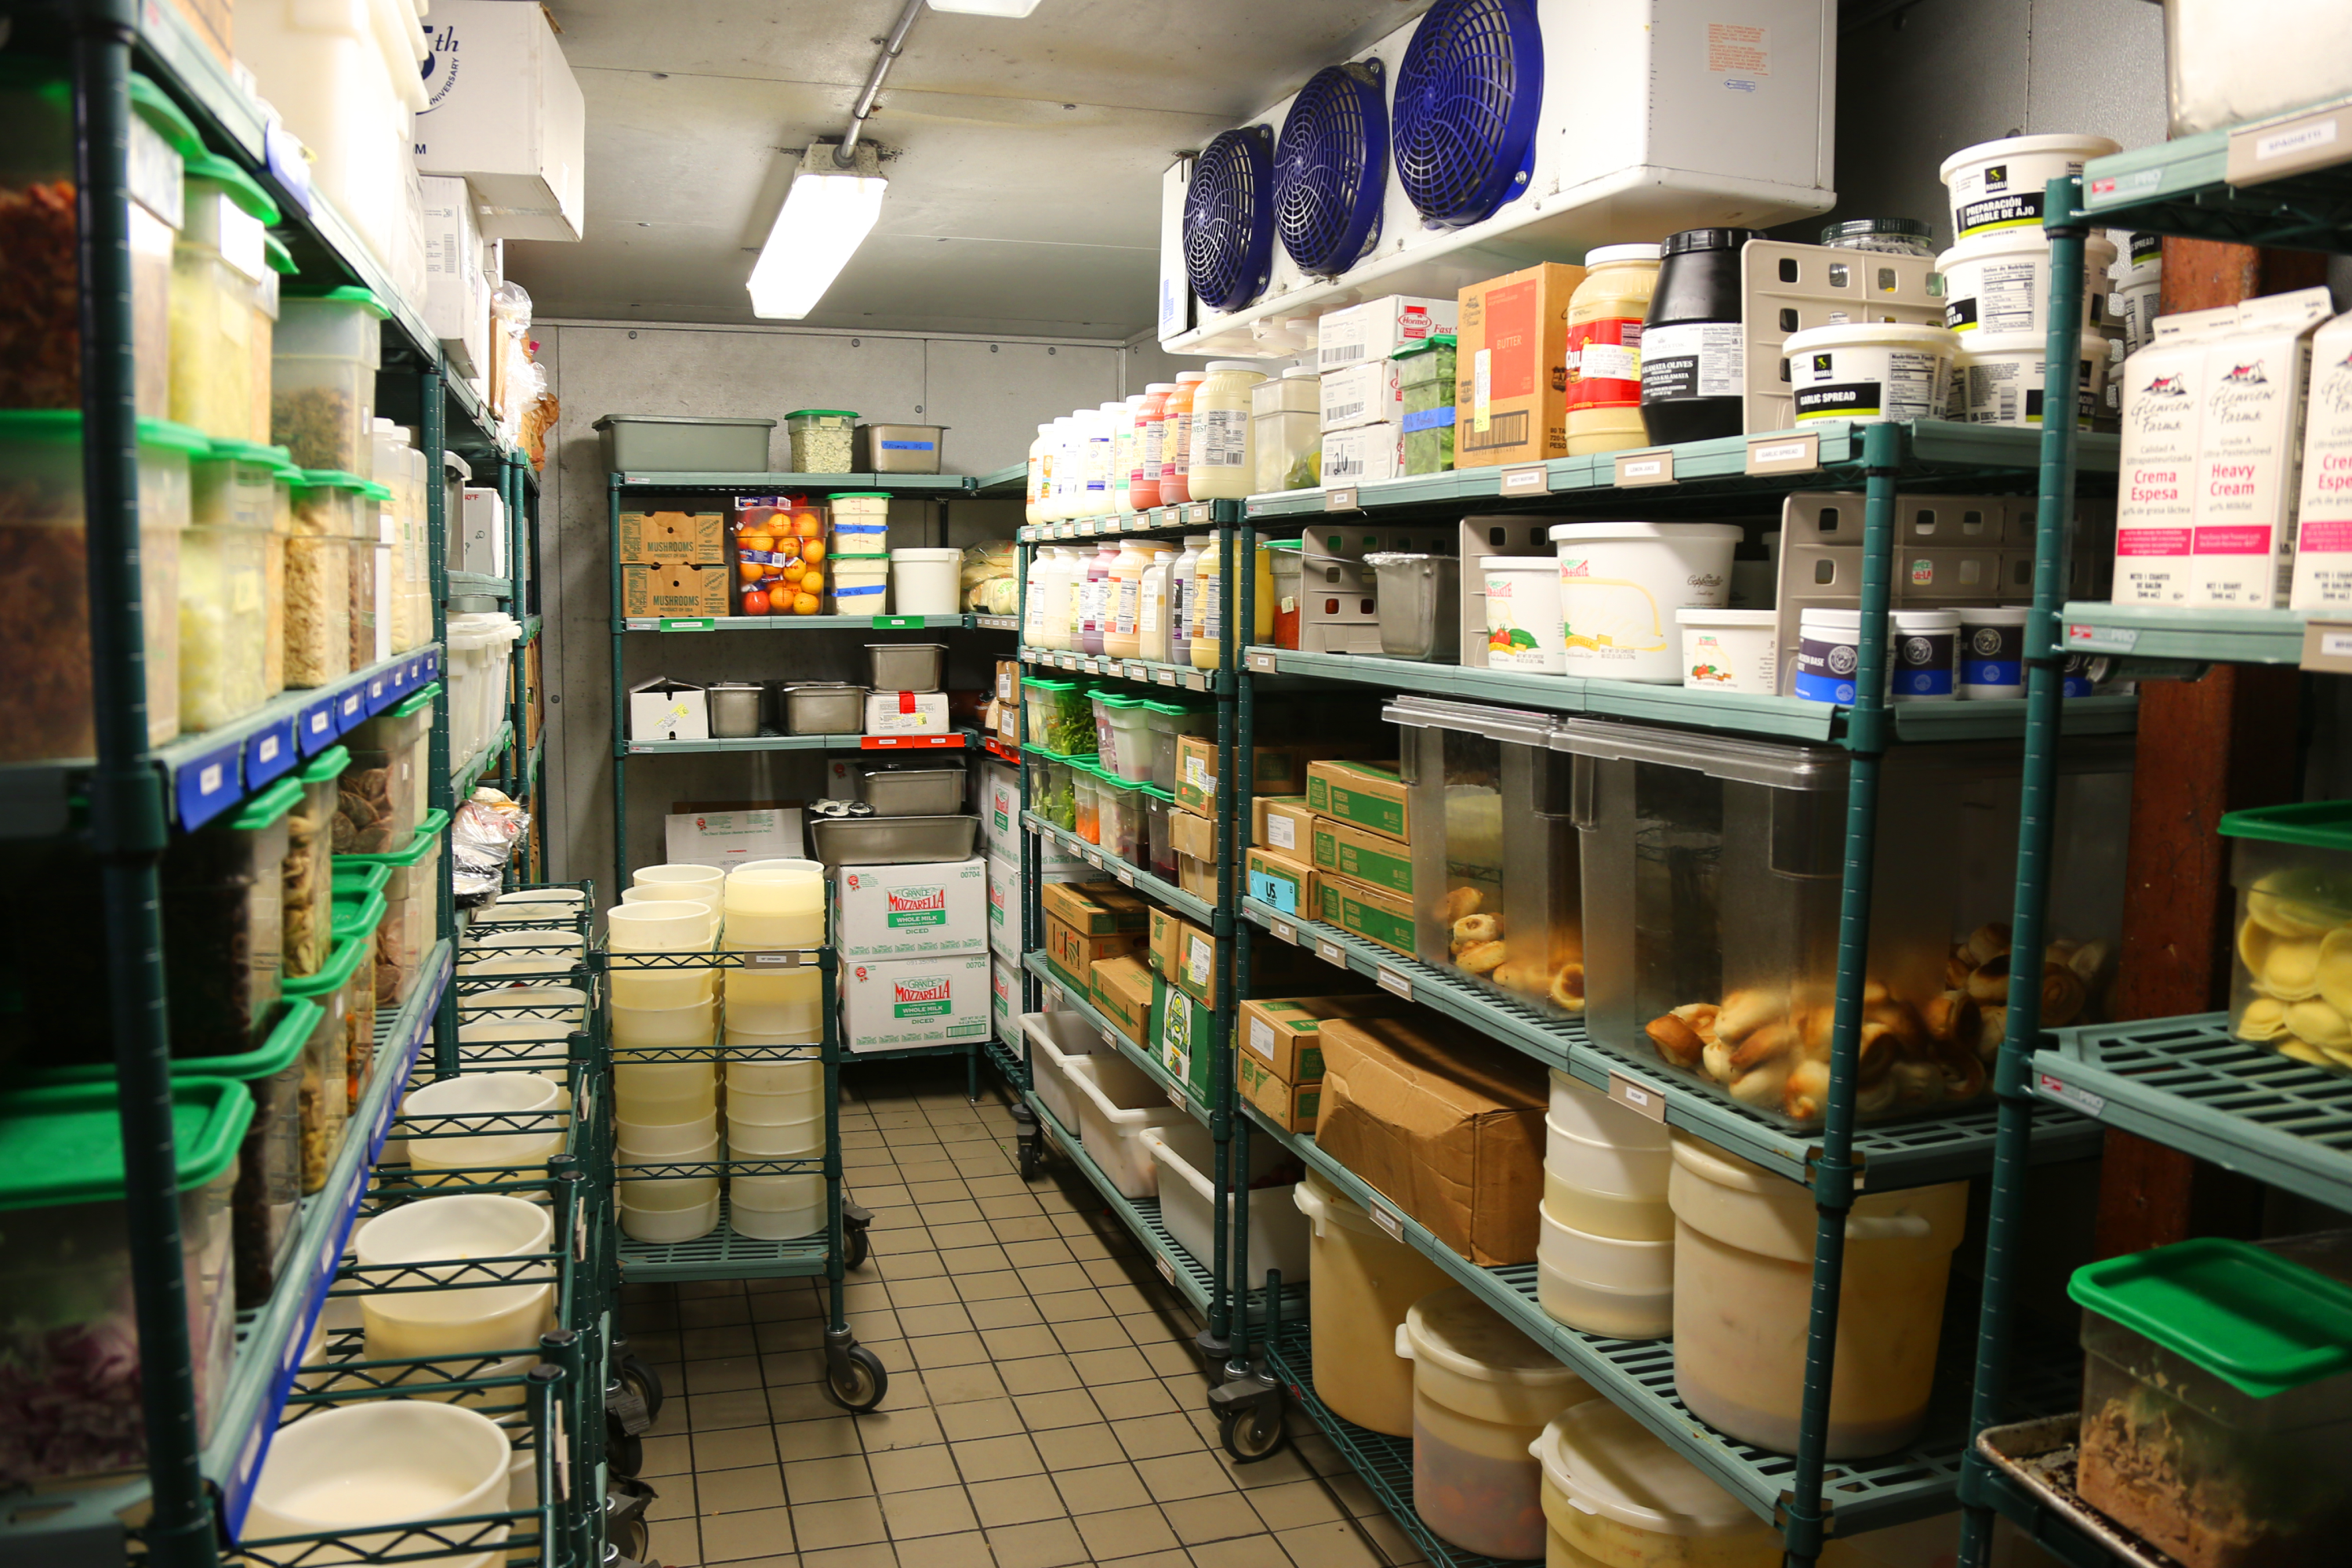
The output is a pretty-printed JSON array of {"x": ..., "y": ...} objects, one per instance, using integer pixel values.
[
  {"x": 1279, "y": 1231},
  {"x": 461, "y": 1318},
  {"x": 924, "y": 582},
  {"x": 1620, "y": 585},
  {"x": 663, "y": 1091},
  {"x": 1614, "y": 1493},
  {"x": 393, "y": 1463},
  {"x": 1366, "y": 1283},
  {"x": 1604, "y": 1284},
  {"x": 1116, "y": 1103},
  {"x": 1056, "y": 1040}
]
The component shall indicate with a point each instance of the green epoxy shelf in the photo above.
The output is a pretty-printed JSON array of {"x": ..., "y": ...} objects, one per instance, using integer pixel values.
[
  {"x": 723, "y": 1254},
  {"x": 1144, "y": 671},
  {"x": 1196, "y": 910},
  {"x": 2183, "y": 186},
  {"x": 2199, "y": 636}
]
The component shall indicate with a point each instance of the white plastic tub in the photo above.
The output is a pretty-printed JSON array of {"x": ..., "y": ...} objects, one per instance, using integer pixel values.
[
  {"x": 666, "y": 1140},
  {"x": 782, "y": 1002},
  {"x": 778, "y": 1085},
  {"x": 657, "y": 1092},
  {"x": 699, "y": 1218},
  {"x": 1620, "y": 585},
  {"x": 1603, "y": 1284},
  {"x": 1870, "y": 371},
  {"x": 556, "y": 1007},
  {"x": 693, "y": 1024},
  {"x": 1056, "y": 1041},
  {"x": 1366, "y": 1283},
  {"x": 514, "y": 1093},
  {"x": 666, "y": 1193},
  {"x": 384, "y": 1463},
  {"x": 665, "y": 929},
  {"x": 460, "y": 1318},
  {"x": 1999, "y": 184},
  {"x": 1606, "y": 1188},
  {"x": 1114, "y": 1110},
  {"x": 1614, "y": 1493},
  {"x": 1731, "y": 650},
  {"x": 925, "y": 582},
  {"x": 801, "y": 1138},
  {"x": 1523, "y": 630},
  {"x": 2004, "y": 387},
  {"x": 1997, "y": 287},
  {"x": 776, "y": 1208},
  {"x": 1278, "y": 1232}
]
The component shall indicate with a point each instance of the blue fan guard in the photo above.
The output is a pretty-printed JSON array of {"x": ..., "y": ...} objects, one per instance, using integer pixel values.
[
  {"x": 1330, "y": 169},
  {"x": 1467, "y": 96},
  {"x": 1228, "y": 219}
]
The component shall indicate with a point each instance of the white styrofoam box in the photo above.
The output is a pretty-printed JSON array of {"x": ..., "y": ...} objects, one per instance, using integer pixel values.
[
  {"x": 904, "y": 911},
  {"x": 729, "y": 838},
  {"x": 1000, "y": 809},
  {"x": 1364, "y": 393},
  {"x": 456, "y": 305},
  {"x": 1378, "y": 328},
  {"x": 895, "y": 1004},
  {"x": 1004, "y": 893},
  {"x": 666, "y": 710},
  {"x": 1364, "y": 456},
  {"x": 906, "y": 712},
  {"x": 482, "y": 545},
  {"x": 1004, "y": 999},
  {"x": 502, "y": 111},
  {"x": 1787, "y": 289}
]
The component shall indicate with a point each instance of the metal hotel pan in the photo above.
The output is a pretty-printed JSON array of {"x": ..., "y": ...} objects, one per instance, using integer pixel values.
[
  {"x": 892, "y": 840},
  {"x": 910, "y": 792}
]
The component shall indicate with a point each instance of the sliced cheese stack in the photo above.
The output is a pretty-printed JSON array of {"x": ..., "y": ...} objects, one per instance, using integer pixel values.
[{"x": 1605, "y": 1260}]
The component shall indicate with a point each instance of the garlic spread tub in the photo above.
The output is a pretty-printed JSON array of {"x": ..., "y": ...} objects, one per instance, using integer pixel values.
[
  {"x": 1870, "y": 371},
  {"x": 1999, "y": 184},
  {"x": 1997, "y": 287},
  {"x": 1523, "y": 612}
]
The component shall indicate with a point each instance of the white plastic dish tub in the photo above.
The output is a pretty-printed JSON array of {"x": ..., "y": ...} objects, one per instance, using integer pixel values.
[
  {"x": 1601, "y": 1284},
  {"x": 699, "y": 1218},
  {"x": 1279, "y": 1233},
  {"x": 1054, "y": 1040},
  {"x": 776, "y": 1208},
  {"x": 1114, "y": 1110}
]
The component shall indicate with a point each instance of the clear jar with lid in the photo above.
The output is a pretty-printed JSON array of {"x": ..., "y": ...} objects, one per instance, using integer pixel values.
[
  {"x": 1220, "y": 462},
  {"x": 1889, "y": 235},
  {"x": 323, "y": 379},
  {"x": 820, "y": 439},
  {"x": 1176, "y": 440},
  {"x": 223, "y": 568},
  {"x": 215, "y": 266},
  {"x": 1604, "y": 348},
  {"x": 1151, "y": 436},
  {"x": 1425, "y": 387},
  {"x": 367, "y": 563},
  {"x": 1286, "y": 430},
  {"x": 318, "y": 578},
  {"x": 1693, "y": 350}
]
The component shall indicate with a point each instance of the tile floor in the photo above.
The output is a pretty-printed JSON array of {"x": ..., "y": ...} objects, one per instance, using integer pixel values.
[{"x": 1046, "y": 1406}]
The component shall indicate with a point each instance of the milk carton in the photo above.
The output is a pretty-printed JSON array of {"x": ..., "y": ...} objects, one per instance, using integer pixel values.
[
  {"x": 2156, "y": 478},
  {"x": 2250, "y": 451},
  {"x": 2322, "y": 547}
]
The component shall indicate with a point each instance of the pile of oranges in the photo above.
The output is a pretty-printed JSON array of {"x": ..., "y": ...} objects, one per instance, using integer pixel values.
[{"x": 780, "y": 559}]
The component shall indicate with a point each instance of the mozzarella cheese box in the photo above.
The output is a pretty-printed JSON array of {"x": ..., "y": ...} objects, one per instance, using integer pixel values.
[
  {"x": 906, "y": 712},
  {"x": 895, "y": 911},
  {"x": 1000, "y": 809},
  {"x": 1004, "y": 999},
  {"x": 899, "y": 1004},
  {"x": 2323, "y": 541},
  {"x": 1005, "y": 897},
  {"x": 2156, "y": 494},
  {"x": 2250, "y": 451}
]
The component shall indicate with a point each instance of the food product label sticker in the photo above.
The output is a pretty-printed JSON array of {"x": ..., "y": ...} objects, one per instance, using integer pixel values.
[
  {"x": 897, "y": 622},
  {"x": 1529, "y": 480},
  {"x": 266, "y": 749},
  {"x": 1387, "y": 1220},
  {"x": 2050, "y": 1086},
  {"x": 1110, "y": 1037},
  {"x": 1645, "y": 467},
  {"x": 1261, "y": 661},
  {"x": 1167, "y": 1270},
  {"x": 1635, "y": 1098},
  {"x": 1282, "y": 832},
  {"x": 1286, "y": 931},
  {"x": 1069, "y": 661},
  {"x": 1389, "y": 980},
  {"x": 1342, "y": 499},
  {"x": 1197, "y": 962},
  {"x": 781, "y": 959},
  {"x": 1056, "y": 999},
  {"x": 2327, "y": 647},
  {"x": 688, "y": 624},
  {"x": 1138, "y": 670},
  {"x": 1200, "y": 513},
  {"x": 1168, "y": 677},
  {"x": 1330, "y": 952},
  {"x": 2119, "y": 640},
  {"x": 1785, "y": 454},
  {"x": 1261, "y": 1037},
  {"x": 2272, "y": 152},
  {"x": 1176, "y": 1098},
  {"x": 1085, "y": 527}
]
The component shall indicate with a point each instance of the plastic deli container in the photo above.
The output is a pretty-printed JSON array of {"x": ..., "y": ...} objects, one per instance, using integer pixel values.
[
  {"x": 1999, "y": 184},
  {"x": 44, "y": 679},
  {"x": 898, "y": 448},
  {"x": 1621, "y": 583},
  {"x": 1743, "y": 1289},
  {"x": 273, "y": 578},
  {"x": 1119, "y": 807},
  {"x": 223, "y": 566},
  {"x": 73, "y": 1342},
  {"x": 1482, "y": 1394},
  {"x": 1997, "y": 287},
  {"x": 1870, "y": 371},
  {"x": 2291, "y": 981},
  {"x": 2005, "y": 385},
  {"x": 1608, "y": 1285},
  {"x": 1922, "y": 655},
  {"x": 1492, "y": 870},
  {"x": 1731, "y": 650},
  {"x": 1367, "y": 1281},
  {"x": 323, "y": 379},
  {"x": 222, "y": 910},
  {"x": 269, "y": 1187},
  {"x": 861, "y": 523},
  {"x": 370, "y": 641},
  {"x": 1523, "y": 624},
  {"x": 1614, "y": 1493},
  {"x": 861, "y": 585},
  {"x": 821, "y": 440},
  {"x": 2217, "y": 1402},
  {"x": 319, "y": 577},
  {"x": 1129, "y": 752},
  {"x": 925, "y": 582},
  {"x": 1425, "y": 380}
]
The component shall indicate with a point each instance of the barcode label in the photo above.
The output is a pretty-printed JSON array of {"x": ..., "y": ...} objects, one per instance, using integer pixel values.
[
  {"x": 1342, "y": 466},
  {"x": 1342, "y": 354},
  {"x": 1344, "y": 411}
]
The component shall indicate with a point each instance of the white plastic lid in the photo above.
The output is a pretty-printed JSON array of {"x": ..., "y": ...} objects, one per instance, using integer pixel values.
[
  {"x": 1605, "y": 1462},
  {"x": 1585, "y": 532},
  {"x": 1456, "y": 1330},
  {"x": 1870, "y": 334},
  {"x": 1302, "y": 373},
  {"x": 1994, "y": 616},
  {"x": 1159, "y": 387},
  {"x": 1518, "y": 563},
  {"x": 1924, "y": 620},
  {"x": 1113, "y": 408},
  {"x": 1185, "y": 375},
  {"x": 2023, "y": 146},
  {"x": 1602, "y": 256},
  {"x": 927, "y": 555}
]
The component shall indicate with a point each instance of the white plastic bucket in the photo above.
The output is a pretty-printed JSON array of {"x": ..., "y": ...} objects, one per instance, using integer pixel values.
[
  {"x": 1605, "y": 1284},
  {"x": 554, "y": 1007},
  {"x": 1870, "y": 371},
  {"x": 2138, "y": 275},
  {"x": 1605, "y": 1188},
  {"x": 1588, "y": 1112},
  {"x": 860, "y": 585},
  {"x": 924, "y": 582},
  {"x": 1621, "y": 583},
  {"x": 459, "y": 1319},
  {"x": 389, "y": 1463},
  {"x": 656, "y": 1092},
  {"x": 2004, "y": 387},
  {"x": 777, "y": 1081},
  {"x": 1922, "y": 655},
  {"x": 1112, "y": 1132},
  {"x": 1997, "y": 287},
  {"x": 774, "y": 1001},
  {"x": 1731, "y": 650},
  {"x": 689, "y": 876},
  {"x": 762, "y": 932},
  {"x": 776, "y": 1208},
  {"x": 667, "y": 1140},
  {"x": 1993, "y": 652},
  {"x": 699, "y": 1218},
  {"x": 1523, "y": 612},
  {"x": 1999, "y": 184},
  {"x": 517, "y": 1093},
  {"x": 1613, "y": 1492},
  {"x": 694, "y": 1023},
  {"x": 801, "y": 1138},
  {"x": 667, "y": 1193}
]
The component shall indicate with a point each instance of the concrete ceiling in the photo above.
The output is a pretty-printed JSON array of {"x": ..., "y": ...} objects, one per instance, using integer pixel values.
[{"x": 1023, "y": 157}]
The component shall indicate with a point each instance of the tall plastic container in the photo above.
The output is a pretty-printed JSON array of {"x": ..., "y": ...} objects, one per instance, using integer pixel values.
[
  {"x": 310, "y": 868},
  {"x": 1220, "y": 461},
  {"x": 1286, "y": 430},
  {"x": 284, "y": 477},
  {"x": 216, "y": 265},
  {"x": 223, "y": 568},
  {"x": 319, "y": 577},
  {"x": 323, "y": 379},
  {"x": 1176, "y": 438},
  {"x": 1366, "y": 1281},
  {"x": 341, "y": 78}
]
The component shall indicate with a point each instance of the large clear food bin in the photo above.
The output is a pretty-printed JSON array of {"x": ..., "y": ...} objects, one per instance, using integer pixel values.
[
  {"x": 224, "y": 583},
  {"x": 1286, "y": 430},
  {"x": 1712, "y": 871},
  {"x": 323, "y": 379},
  {"x": 820, "y": 439},
  {"x": 268, "y": 1190},
  {"x": 277, "y": 264},
  {"x": 1743, "y": 1301},
  {"x": 319, "y": 578},
  {"x": 2217, "y": 1403},
  {"x": 310, "y": 863},
  {"x": 1614, "y": 1496},
  {"x": 2290, "y": 984},
  {"x": 368, "y": 640},
  {"x": 1482, "y": 1393},
  {"x": 216, "y": 265},
  {"x": 410, "y": 912},
  {"x": 221, "y": 891},
  {"x": 1494, "y": 862},
  {"x": 1164, "y": 722},
  {"x": 284, "y": 480},
  {"x": 163, "y": 138},
  {"x": 402, "y": 735},
  {"x": 1365, "y": 1282},
  {"x": 71, "y": 1336}
]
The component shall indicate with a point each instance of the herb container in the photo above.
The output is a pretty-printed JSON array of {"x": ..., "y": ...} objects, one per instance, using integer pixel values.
[
  {"x": 223, "y": 924},
  {"x": 224, "y": 567},
  {"x": 820, "y": 439},
  {"x": 1426, "y": 379},
  {"x": 309, "y": 869},
  {"x": 323, "y": 1102},
  {"x": 323, "y": 379},
  {"x": 318, "y": 578}
]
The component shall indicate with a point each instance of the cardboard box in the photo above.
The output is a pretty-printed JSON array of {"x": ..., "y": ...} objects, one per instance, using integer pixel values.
[
  {"x": 1003, "y": 908},
  {"x": 1073, "y": 954},
  {"x": 684, "y": 591},
  {"x": 1004, "y": 999},
  {"x": 1378, "y": 328},
  {"x": 2250, "y": 453},
  {"x": 1364, "y": 393},
  {"x": 1362, "y": 794},
  {"x": 1374, "y": 915},
  {"x": 1372, "y": 858},
  {"x": 661, "y": 538},
  {"x": 1194, "y": 972},
  {"x": 1511, "y": 358},
  {"x": 482, "y": 533},
  {"x": 1198, "y": 878},
  {"x": 726, "y": 833},
  {"x": 895, "y": 1004},
  {"x": 1000, "y": 809},
  {"x": 1284, "y": 881},
  {"x": 2323, "y": 550},
  {"x": 903, "y": 911},
  {"x": 1191, "y": 834},
  {"x": 1095, "y": 909},
  {"x": 1277, "y": 968},
  {"x": 1122, "y": 989},
  {"x": 504, "y": 112},
  {"x": 906, "y": 713},
  {"x": 1184, "y": 1040},
  {"x": 1165, "y": 926},
  {"x": 1284, "y": 1035},
  {"x": 1283, "y": 822},
  {"x": 457, "y": 302},
  {"x": 2156, "y": 492},
  {"x": 1366, "y": 455},
  {"x": 1444, "y": 1124},
  {"x": 1292, "y": 1107},
  {"x": 1274, "y": 771},
  {"x": 666, "y": 710}
]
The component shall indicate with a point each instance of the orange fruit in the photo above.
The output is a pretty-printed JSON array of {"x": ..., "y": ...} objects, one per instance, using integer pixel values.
[
  {"x": 750, "y": 571},
  {"x": 755, "y": 603},
  {"x": 812, "y": 580},
  {"x": 751, "y": 540},
  {"x": 805, "y": 604},
  {"x": 808, "y": 525},
  {"x": 812, "y": 551},
  {"x": 793, "y": 571}
]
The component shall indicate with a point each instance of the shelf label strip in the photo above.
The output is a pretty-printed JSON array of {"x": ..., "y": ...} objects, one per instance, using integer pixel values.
[{"x": 1635, "y": 1098}]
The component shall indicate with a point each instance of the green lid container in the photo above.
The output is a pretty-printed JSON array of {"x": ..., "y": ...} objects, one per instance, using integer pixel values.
[{"x": 62, "y": 1144}]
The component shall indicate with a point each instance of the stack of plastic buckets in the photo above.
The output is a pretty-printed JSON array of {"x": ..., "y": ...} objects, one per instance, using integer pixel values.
[
  {"x": 667, "y": 1110},
  {"x": 775, "y": 1105}
]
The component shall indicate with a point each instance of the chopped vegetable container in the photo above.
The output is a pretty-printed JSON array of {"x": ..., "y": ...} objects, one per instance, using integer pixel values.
[{"x": 820, "y": 439}]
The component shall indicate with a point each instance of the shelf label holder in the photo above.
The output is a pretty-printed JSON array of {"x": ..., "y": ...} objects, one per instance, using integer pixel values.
[{"x": 1636, "y": 1099}]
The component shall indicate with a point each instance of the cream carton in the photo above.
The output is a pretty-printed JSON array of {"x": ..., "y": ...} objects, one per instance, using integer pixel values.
[
  {"x": 2156, "y": 478},
  {"x": 2323, "y": 545},
  {"x": 2250, "y": 452}
]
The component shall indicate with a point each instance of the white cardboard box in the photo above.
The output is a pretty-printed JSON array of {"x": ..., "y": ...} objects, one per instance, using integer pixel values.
[
  {"x": 2323, "y": 550},
  {"x": 906, "y": 712},
  {"x": 666, "y": 710},
  {"x": 456, "y": 302},
  {"x": 1000, "y": 809},
  {"x": 729, "y": 838},
  {"x": 1378, "y": 328},
  {"x": 504, "y": 113},
  {"x": 1363, "y": 394},
  {"x": 1364, "y": 456},
  {"x": 907, "y": 912},
  {"x": 1005, "y": 998},
  {"x": 895, "y": 1004},
  {"x": 2249, "y": 456},
  {"x": 482, "y": 546},
  {"x": 1004, "y": 893},
  {"x": 2156, "y": 492}
]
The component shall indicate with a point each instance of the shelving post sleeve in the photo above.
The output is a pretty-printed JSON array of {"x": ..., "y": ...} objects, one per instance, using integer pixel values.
[
  {"x": 126, "y": 798},
  {"x": 432, "y": 429},
  {"x": 1804, "y": 1525},
  {"x": 2037, "y": 805},
  {"x": 1216, "y": 1338},
  {"x": 836, "y": 1243},
  {"x": 1234, "y": 952},
  {"x": 620, "y": 697}
]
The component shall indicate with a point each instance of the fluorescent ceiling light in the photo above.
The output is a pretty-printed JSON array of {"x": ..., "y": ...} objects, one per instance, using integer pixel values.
[
  {"x": 827, "y": 216},
  {"x": 1012, "y": 10}
]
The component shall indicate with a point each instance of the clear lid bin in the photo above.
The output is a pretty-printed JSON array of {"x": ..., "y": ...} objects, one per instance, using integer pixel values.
[
  {"x": 367, "y": 552},
  {"x": 223, "y": 925},
  {"x": 1125, "y": 721},
  {"x": 403, "y": 733},
  {"x": 319, "y": 578},
  {"x": 323, "y": 379},
  {"x": 309, "y": 862},
  {"x": 1165, "y": 722},
  {"x": 1070, "y": 726},
  {"x": 323, "y": 1104},
  {"x": 355, "y": 926},
  {"x": 1037, "y": 697},
  {"x": 1119, "y": 807},
  {"x": 1425, "y": 382},
  {"x": 268, "y": 1190},
  {"x": 1060, "y": 804},
  {"x": 217, "y": 265},
  {"x": 2291, "y": 981},
  {"x": 821, "y": 440},
  {"x": 223, "y": 574},
  {"x": 71, "y": 1338}
]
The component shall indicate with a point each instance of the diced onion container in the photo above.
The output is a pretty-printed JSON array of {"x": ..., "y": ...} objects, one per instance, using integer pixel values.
[
  {"x": 821, "y": 440},
  {"x": 2291, "y": 979}
]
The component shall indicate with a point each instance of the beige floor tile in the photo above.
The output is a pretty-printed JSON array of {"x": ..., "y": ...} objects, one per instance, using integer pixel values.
[
  {"x": 1098, "y": 1488},
  {"x": 1156, "y": 1436},
  {"x": 827, "y": 1481},
  {"x": 934, "y": 1292},
  {"x": 794, "y": 1334},
  {"x": 898, "y": 1218},
  {"x": 1217, "y": 1517},
  {"x": 992, "y": 1285},
  {"x": 1121, "y": 1400},
  {"x": 950, "y": 1350},
  {"x": 1168, "y": 1357},
  {"x": 948, "y": 1318},
  {"x": 733, "y": 1537},
  {"x": 852, "y": 1522},
  {"x": 805, "y": 1401},
  {"x": 943, "y": 1192},
  {"x": 1065, "y": 1407},
  {"x": 914, "y": 1265},
  {"x": 1291, "y": 1504},
  {"x": 1003, "y": 1313},
  {"x": 913, "y": 1469},
  {"x": 969, "y": 1551},
  {"x": 979, "y": 1232},
  {"x": 1354, "y": 1496},
  {"x": 830, "y": 1437},
  {"x": 732, "y": 1491},
  {"x": 1048, "y": 1543},
  {"x": 714, "y": 1313},
  {"x": 1112, "y": 1364},
  {"x": 1246, "y": 1551},
  {"x": 1013, "y": 1206},
  {"x": 1271, "y": 1471},
  {"x": 876, "y": 1555},
  {"x": 1332, "y": 1545},
  {"x": 867, "y": 1295},
  {"x": 679, "y": 1494},
  {"x": 940, "y": 1510},
  {"x": 671, "y": 1456},
  {"x": 1392, "y": 1543},
  {"x": 1180, "y": 1476},
  {"x": 886, "y": 1431},
  {"x": 981, "y": 1418},
  {"x": 1074, "y": 1447},
  {"x": 1022, "y": 1226},
  {"x": 725, "y": 1449},
  {"x": 704, "y": 1344},
  {"x": 1179, "y": 1558},
  {"x": 1126, "y": 1533},
  {"x": 1083, "y": 1331},
  {"x": 677, "y": 1542},
  {"x": 963, "y": 1385},
  {"x": 1037, "y": 1254},
  {"x": 1049, "y": 1278},
  {"x": 986, "y": 1259},
  {"x": 1037, "y": 1373},
  {"x": 997, "y": 1459},
  {"x": 1017, "y": 1500}
]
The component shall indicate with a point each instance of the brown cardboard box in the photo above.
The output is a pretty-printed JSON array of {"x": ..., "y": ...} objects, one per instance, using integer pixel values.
[
  {"x": 1074, "y": 953},
  {"x": 1194, "y": 972},
  {"x": 1198, "y": 878},
  {"x": 1371, "y": 913},
  {"x": 1095, "y": 909},
  {"x": 673, "y": 590},
  {"x": 1364, "y": 794},
  {"x": 1192, "y": 835},
  {"x": 1289, "y": 1106},
  {"x": 1283, "y": 881},
  {"x": 1283, "y": 822},
  {"x": 1122, "y": 989},
  {"x": 1362, "y": 856},
  {"x": 1444, "y": 1123},
  {"x": 1274, "y": 771},
  {"x": 1008, "y": 701},
  {"x": 1284, "y": 1036},
  {"x": 1276, "y": 967},
  {"x": 1514, "y": 328},
  {"x": 1166, "y": 925},
  {"x": 213, "y": 21},
  {"x": 673, "y": 538}
]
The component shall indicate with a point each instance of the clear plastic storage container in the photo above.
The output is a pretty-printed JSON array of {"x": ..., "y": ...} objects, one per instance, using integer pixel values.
[
  {"x": 2291, "y": 984},
  {"x": 1164, "y": 722},
  {"x": 1119, "y": 804},
  {"x": 223, "y": 574},
  {"x": 1712, "y": 871},
  {"x": 309, "y": 862},
  {"x": 319, "y": 578},
  {"x": 325, "y": 1104},
  {"x": 1426, "y": 384},
  {"x": 370, "y": 641},
  {"x": 1123, "y": 738},
  {"x": 1286, "y": 430},
  {"x": 353, "y": 962},
  {"x": 382, "y": 815},
  {"x": 411, "y": 908},
  {"x": 284, "y": 479},
  {"x": 1493, "y": 868},
  {"x": 323, "y": 379},
  {"x": 821, "y": 440},
  {"x": 268, "y": 1190},
  {"x": 224, "y": 925},
  {"x": 216, "y": 265},
  {"x": 44, "y": 677}
]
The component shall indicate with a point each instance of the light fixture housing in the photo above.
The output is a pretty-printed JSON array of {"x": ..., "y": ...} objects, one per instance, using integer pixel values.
[
  {"x": 827, "y": 216},
  {"x": 1012, "y": 10}
]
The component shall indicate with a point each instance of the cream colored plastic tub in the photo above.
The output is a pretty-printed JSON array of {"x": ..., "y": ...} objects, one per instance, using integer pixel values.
[
  {"x": 671, "y": 1225},
  {"x": 459, "y": 1319},
  {"x": 1606, "y": 1189},
  {"x": 383, "y": 1463},
  {"x": 1365, "y": 1283},
  {"x": 1604, "y": 1285},
  {"x": 1113, "y": 1114}
]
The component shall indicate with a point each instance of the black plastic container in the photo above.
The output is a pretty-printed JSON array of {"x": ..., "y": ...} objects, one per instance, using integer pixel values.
[{"x": 1693, "y": 359}]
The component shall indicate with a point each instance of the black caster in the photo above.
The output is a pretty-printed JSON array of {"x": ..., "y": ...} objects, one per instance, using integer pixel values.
[
  {"x": 643, "y": 1381},
  {"x": 854, "y": 1376},
  {"x": 625, "y": 1453}
]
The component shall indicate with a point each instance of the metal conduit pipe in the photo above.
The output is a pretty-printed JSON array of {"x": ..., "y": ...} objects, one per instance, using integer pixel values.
[{"x": 845, "y": 156}]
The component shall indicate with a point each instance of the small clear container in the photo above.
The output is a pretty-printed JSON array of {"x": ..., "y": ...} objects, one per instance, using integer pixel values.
[
  {"x": 1286, "y": 430},
  {"x": 1129, "y": 751},
  {"x": 1288, "y": 564},
  {"x": 367, "y": 643},
  {"x": 277, "y": 264},
  {"x": 318, "y": 578},
  {"x": 325, "y": 1103},
  {"x": 45, "y": 679},
  {"x": 1085, "y": 786},
  {"x": 1070, "y": 731},
  {"x": 217, "y": 264},
  {"x": 1426, "y": 379},
  {"x": 1164, "y": 722},
  {"x": 273, "y": 574},
  {"x": 355, "y": 925},
  {"x": 223, "y": 585},
  {"x": 821, "y": 440},
  {"x": 1039, "y": 694},
  {"x": 310, "y": 866},
  {"x": 1106, "y": 738},
  {"x": 2291, "y": 978},
  {"x": 73, "y": 1340},
  {"x": 383, "y": 813},
  {"x": 1889, "y": 235},
  {"x": 1060, "y": 803},
  {"x": 406, "y": 932},
  {"x": 323, "y": 379},
  {"x": 1159, "y": 840},
  {"x": 1119, "y": 811},
  {"x": 223, "y": 925}
]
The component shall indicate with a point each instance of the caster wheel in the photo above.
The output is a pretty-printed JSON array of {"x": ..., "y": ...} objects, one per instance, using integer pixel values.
[
  {"x": 1033, "y": 1161},
  {"x": 860, "y": 1382},
  {"x": 856, "y": 1247},
  {"x": 624, "y": 1454},
  {"x": 645, "y": 1381},
  {"x": 635, "y": 1540},
  {"x": 1255, "y": 1433}
]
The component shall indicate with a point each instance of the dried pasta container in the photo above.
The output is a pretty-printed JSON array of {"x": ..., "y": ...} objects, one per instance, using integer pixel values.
[
  {"x": 217, "y": 264},
  {"x": 323, "y": 379},
  {"x": 1493, "y": 869},
  {"x": 72, "y": 1339},
  {"x": 405, "y": 934},
  {"x": 268, "y": 1190},
  {"x": 222, "y": 902},
  {"x": 319, "y": 578},
  {"x": 368, "y": 641},
  {"x": 382, "y": 812},
  {"x": 356, "y": 924},
  {"x": 821, "y": 440},
  {"x": 2290, "y": 984},
  {"x": 45, "y": 681},
  {"x": 310, "y": 863},
  {"x": 223, "y": 572},
  {"x": 325, "y": 1101}
]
